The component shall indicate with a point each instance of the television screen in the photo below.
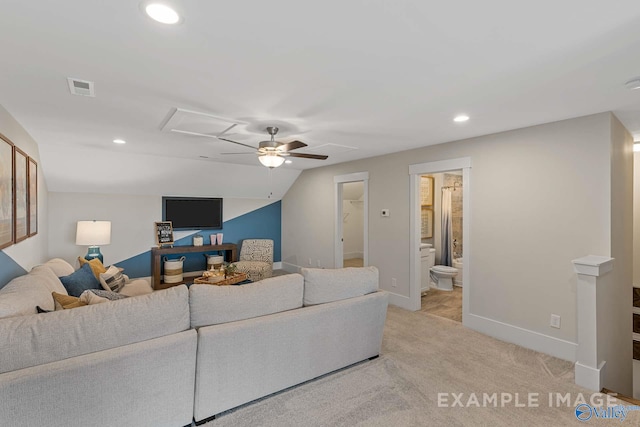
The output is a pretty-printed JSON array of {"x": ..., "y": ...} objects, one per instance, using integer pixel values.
[{"x": 191, "y": 213}]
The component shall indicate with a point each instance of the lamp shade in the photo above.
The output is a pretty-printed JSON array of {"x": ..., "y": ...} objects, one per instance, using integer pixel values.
[
  {"x": 271, "y": 160},
  {"x": 93, "y": 233}
]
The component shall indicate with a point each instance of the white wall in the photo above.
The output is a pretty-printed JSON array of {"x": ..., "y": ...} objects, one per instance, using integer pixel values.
[
  {"x": 540, "y": 197},
  {"x": 33, "y": 250},
  {"x": 132, "y": 221}
]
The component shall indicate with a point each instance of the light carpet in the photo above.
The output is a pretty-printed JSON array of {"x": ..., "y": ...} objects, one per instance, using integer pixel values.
[{"x": 422, "y": 356}]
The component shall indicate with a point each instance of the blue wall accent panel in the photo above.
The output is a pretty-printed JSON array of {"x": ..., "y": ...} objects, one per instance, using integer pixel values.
[
  {"x": 263, "y": 223},
  {"x": 9, "y": 269}
]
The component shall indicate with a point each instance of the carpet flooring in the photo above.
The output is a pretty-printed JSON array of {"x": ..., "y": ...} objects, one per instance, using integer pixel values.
[{"x": 424, "y": 355}]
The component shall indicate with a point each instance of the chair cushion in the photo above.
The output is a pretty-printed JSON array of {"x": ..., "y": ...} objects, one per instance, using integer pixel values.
[
  {"x": 257, "y": 250},
  {"x": 212, "y": 305},
  {"x": 322, "y": 285},
  {"x": 256, "y": 270}
]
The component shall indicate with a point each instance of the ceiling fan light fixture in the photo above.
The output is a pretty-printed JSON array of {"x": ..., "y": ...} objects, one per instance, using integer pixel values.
[
  {"x": 162, "y": 13},
  {"x": 271, "y": 160}
]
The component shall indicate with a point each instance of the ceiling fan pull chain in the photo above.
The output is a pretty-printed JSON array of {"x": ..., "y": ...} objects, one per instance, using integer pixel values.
[{"x": 270, "y": 183}]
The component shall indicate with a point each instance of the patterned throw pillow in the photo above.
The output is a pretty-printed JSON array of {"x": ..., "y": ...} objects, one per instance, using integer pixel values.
[
  {"x": 112, "y": 279},
  {"x": 110, "y": 295}
]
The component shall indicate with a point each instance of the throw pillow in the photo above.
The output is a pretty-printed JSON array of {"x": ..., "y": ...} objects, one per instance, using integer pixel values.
[
  {"x": 96, "y": 266},
  {"x": 81, "y": 280},
  {"x": 67, "y": 301},
  {"x": 110, "y": 295},
  {"x": 98, "y": 296},
  {"x": 112, "y": 279}
]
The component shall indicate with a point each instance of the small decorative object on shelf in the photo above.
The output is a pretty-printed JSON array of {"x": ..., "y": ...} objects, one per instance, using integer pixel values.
[
  {"x": 164, "y": 233},
  {"x": 198, "y": 240}
]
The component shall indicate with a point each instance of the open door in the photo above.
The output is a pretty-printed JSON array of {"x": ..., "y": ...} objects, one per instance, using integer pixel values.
[{"x": 351, "y": 219}]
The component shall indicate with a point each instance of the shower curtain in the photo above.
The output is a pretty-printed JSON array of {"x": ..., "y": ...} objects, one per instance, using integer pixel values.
[{"x": 446, "y": 256}]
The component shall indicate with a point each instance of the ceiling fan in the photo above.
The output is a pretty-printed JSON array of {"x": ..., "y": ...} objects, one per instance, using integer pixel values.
[{"x": 272, "y": 153}]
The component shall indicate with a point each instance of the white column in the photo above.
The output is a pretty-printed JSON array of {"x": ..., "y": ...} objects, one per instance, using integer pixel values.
[{"x": 592, "y": 280}]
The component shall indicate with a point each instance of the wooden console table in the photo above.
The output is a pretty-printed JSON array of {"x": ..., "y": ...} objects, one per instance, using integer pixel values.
[{"x": 230, "y": 255}]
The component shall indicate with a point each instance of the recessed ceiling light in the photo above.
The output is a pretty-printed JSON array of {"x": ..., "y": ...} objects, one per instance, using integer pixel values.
[
  {"x": 162, "y": 13},
  {"x": 636, "y": 146},
  {"x": 119, "y": 141},
  {"x": 288, "y": 162},
  {"x": 633, "y": 84},
  {"x": 461, "y": 118}
]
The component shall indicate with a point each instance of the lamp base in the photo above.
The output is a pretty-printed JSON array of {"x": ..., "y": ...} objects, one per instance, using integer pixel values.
[{"x": 94, "y": 252}]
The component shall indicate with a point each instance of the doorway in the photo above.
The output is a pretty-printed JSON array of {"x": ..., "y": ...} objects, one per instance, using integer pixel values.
[
  {"x": 415, "y": 172},
  {"x": 351, "y": 220}
]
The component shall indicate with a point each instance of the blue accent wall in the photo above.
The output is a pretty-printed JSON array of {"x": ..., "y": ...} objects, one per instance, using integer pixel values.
[
  {"x": 263, "y": 223},
  {"x": 9, "y": 269}
]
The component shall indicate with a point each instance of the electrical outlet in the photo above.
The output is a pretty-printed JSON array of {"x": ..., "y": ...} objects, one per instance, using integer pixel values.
[
  {"x": 394, "y": 282},
  {"x": 310, "y": 262},
  {"x": 385, "y": 212},
  {"x": 555, "y": 321},
  {"x": 319, "y": 264}
]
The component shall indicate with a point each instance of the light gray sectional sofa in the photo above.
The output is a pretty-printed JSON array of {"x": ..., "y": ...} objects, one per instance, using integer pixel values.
[{"x": 179, "y": 354}]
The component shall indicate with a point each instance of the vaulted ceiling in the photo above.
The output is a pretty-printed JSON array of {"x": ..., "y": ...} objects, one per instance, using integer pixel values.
[{"x": 351, "y": 79}]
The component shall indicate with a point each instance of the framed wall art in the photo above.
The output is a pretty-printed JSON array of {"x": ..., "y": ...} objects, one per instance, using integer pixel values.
[
  {"x": 426, "y": 190},
  {"x": 21, "y": 192},
  {"x": 426, "y": 223},
  {"x": 32, "y": 229},
  {"x": 6, "y": 192}
]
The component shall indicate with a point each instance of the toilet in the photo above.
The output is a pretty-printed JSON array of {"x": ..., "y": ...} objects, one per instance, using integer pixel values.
[{"x": 442, "y": 277}]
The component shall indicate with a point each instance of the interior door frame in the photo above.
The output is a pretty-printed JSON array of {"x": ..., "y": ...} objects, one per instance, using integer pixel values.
[
  {"x": 338, "y": 180},
  {"x": 415, "y": 171}
]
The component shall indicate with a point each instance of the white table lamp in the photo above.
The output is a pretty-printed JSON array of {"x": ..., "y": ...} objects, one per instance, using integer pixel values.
[{"x": 93, "y": 234}]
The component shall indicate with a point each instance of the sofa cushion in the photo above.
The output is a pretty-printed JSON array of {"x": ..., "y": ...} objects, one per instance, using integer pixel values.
[
  {"x": 112, "y": 279},
  {"x": 34, "y": 340},
  {"x": 60, "y": 267},
  {"x": 21, "y": 295},
  {"x": 96, "y": 266},
  {"x": 80, "y": 280},
  {"x": 212, "y": 305},
  {"x": 323, "y": 285},
  {"x": 136, "y": 287}
]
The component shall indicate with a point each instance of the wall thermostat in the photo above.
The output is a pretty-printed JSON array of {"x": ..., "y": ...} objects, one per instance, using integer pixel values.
[{"x": 384, "y": 212}]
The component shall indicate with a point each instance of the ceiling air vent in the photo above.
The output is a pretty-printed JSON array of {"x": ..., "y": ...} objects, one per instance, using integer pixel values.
[{"x": 81, "y": 87}]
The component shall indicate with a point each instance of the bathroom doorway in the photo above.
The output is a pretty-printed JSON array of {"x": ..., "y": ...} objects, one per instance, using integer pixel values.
[
  {"x": 351, "y": 220},
  {"x": 416, "y": 239},
  {"x": 441, "y": 244}
]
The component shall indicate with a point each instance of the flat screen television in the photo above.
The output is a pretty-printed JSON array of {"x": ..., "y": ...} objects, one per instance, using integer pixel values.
[{"x": 193, "y": 213}]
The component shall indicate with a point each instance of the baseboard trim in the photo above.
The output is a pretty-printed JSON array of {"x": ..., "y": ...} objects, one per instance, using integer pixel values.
[
  {"x": 277, "y": 265},
  {"x": 400, "y": 301},
  {"x": 556, "y": 347},
  {"x": 589, "y": 377},
  {"x": 291, "y": 268}
]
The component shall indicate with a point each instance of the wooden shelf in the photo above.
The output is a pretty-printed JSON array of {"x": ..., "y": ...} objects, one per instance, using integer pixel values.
[{"x": 230, "y": 250}]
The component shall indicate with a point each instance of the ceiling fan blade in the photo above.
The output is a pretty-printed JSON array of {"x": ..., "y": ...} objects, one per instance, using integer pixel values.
[
  {"x": 309, "y": 156},
  {"x": 293, "y": 145},
  {"x": 239, "y": 143}
]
